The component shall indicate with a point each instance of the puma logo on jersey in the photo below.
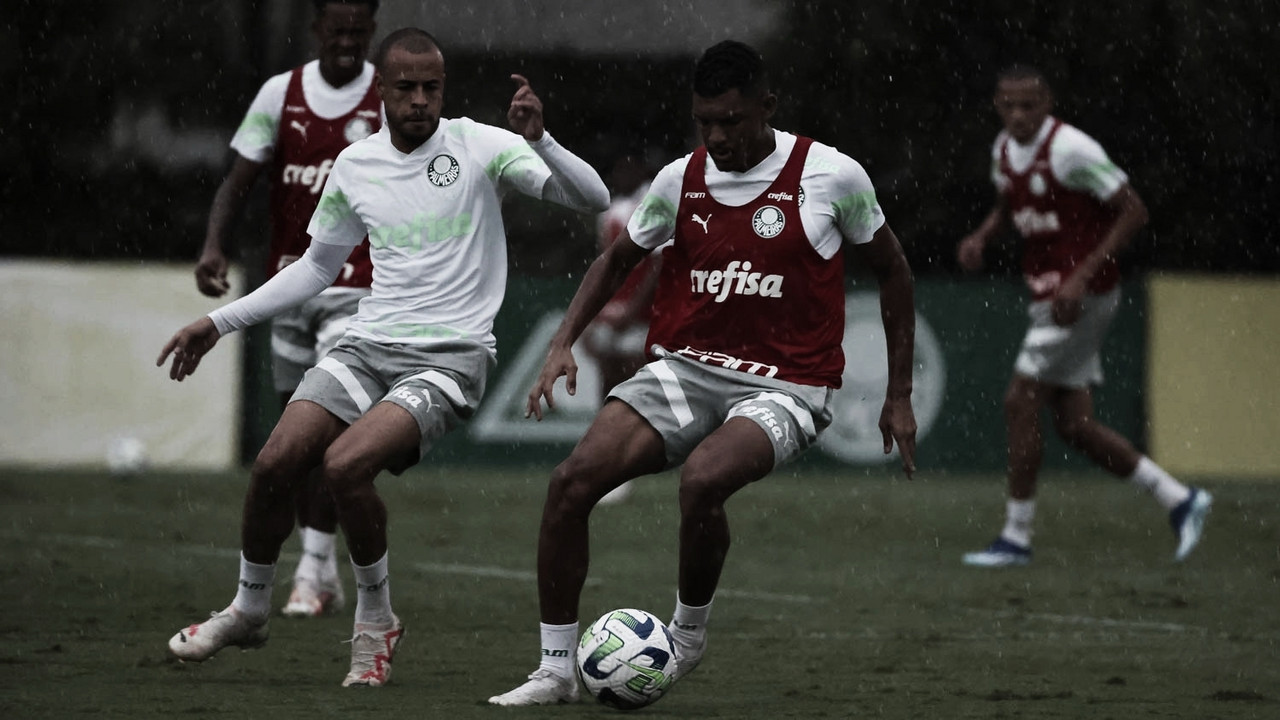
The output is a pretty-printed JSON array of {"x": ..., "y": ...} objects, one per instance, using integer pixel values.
[
  {"x": 300, "y": 127},
  {"x": 1030, "y": 222},
  {"x": 702, "y": 222},
  {"x": 313, "y": 176},
  {"x": 737, "y": 279}
]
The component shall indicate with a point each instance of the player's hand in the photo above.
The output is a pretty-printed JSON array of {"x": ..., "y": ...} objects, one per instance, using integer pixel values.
[
  {"x": 525, "y": 113},
  {"x": 211, "y": 274},
  {"x": 969, "y": 252},
  {"x": 559, "y": 364},
  {"x": 1068, "y": 301},
  {"x": 188, "y": 345},
  {"x": 898, "y": 424}
]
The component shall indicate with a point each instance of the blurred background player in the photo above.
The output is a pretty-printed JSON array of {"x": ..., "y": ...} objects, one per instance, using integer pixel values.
[
  {"x": 294, "y": 129},
  {"x": 615, "y": 338},
  {"x": 1075, "y": 212}
]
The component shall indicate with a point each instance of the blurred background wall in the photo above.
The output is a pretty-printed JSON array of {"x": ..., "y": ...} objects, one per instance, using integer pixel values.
[{"x": 116, "y": 134}]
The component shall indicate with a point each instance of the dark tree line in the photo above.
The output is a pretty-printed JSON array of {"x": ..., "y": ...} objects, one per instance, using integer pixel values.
[{"x": 1180, "y": 92}]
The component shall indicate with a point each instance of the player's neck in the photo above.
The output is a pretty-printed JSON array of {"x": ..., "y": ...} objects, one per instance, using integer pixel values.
[
  {"x": 763, "y": 148},
  {"x": 337, "y": 79}
]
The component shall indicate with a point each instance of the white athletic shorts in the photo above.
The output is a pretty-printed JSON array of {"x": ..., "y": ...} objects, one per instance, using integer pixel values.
[
  {"x": 439, "y": 384},
  {"x": 1067, "y": 356},
  {"x": 303, "y": 335},
  {"x": 686, "y": 400}
]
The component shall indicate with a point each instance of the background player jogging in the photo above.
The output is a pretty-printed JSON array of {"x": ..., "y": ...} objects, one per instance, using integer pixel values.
[{"x": 1074, "y": 212}]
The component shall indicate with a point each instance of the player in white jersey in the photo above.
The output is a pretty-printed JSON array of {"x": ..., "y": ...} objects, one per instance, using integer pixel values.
[
  {"x": 427, "y": 191},
  {"x": 292, "y": 132}
]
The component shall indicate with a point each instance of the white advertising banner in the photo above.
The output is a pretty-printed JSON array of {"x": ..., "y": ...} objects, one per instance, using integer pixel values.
[{"x": 79, "y": 386}]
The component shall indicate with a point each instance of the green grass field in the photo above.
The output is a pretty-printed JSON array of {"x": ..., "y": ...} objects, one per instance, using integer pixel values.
[{"x": 843, "y": 597}]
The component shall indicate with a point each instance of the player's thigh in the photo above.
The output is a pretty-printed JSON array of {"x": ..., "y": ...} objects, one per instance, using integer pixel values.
[
  {"x": 619, "y": 445},
  {"x": 385, "y": 437},
  {"x": 299, "y": 440},
  {"x": 1071, "y": 408},
  {"x": 738, "y": 453}
]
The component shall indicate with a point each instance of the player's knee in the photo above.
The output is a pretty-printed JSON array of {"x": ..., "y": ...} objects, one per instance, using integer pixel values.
[
  {"x": 701, "y": 491},
  {"x": 1074, "y": 430},
  {"x": 345, "y": 473},
  {"x": 275, "y": 470},
  {"x": 573, "y": 487}
]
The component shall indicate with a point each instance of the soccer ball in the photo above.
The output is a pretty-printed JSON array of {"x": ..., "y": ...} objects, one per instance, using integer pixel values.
[
  {"x": 126, "y": 456},
  {"x": 627, "y": 659}
]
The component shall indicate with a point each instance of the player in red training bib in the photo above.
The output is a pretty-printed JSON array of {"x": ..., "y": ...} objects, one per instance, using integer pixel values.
[
  {"x": 292, "y": 133},
  {"x": 745, "y": 346},
  {"x": 1074, "y": 212}
]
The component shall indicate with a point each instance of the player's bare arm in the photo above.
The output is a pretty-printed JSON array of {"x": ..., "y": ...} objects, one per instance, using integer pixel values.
[
  {"x": 897, "y": 311},
  {"x": 1131, "y": 217},
  {"x": 601, "y": 281},
  {"x": 525, "y": 113},
  {"x": 970, "y": 250},
  {"x": 228, "y": 203},
  {"x": 188, "y": 346}
]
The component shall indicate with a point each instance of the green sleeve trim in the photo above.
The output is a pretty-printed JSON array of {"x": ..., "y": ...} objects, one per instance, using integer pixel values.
[
  {"x": 856, "y": 211},
  {"x": 333, "y": 209},
  {"x": 259, "y": 129},
  {"x": 1098, "y": 177},
  {"x": 655, "y": 213},
  {"x": 513, "y": 158}
]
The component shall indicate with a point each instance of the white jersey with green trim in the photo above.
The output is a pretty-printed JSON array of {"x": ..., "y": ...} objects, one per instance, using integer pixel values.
[
  {"x": 434, "y": 221},
  {"x": 837, "y": 204}
]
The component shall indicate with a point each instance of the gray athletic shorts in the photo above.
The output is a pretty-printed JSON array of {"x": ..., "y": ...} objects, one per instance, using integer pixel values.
[
  {"x": 1067, "y": 356},
  {"x": 303, "y": 335},
  {"x": 440, "y": 384},
  {"x": 686, "y": 400}
]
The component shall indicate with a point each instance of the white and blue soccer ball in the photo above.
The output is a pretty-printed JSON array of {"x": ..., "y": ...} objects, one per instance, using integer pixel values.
[{"x": 626, "y": 659}]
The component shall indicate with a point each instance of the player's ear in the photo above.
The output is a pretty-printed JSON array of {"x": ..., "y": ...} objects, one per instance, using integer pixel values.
[{"x": 770, "y": 104}]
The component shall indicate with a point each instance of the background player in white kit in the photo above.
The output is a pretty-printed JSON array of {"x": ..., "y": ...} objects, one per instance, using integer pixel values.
[
  {"x": 294, "y": 129},
  {"x": 1075, "y": 212},
  {"x": 427, "y": 191},
  {"x": 746, "y": 344}
]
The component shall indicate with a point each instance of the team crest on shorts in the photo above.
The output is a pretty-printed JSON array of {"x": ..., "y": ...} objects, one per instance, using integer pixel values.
[
  {"x": 768, "y": 221},
  {"x": 443, "y": 170},
  {"x": 357, "y": 129}
]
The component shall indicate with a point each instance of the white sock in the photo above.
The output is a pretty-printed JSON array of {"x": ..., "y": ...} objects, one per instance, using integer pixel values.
[
  {"x": 689, "y": 622},
  {"x": 373, "y": 593},
  {"x": 253, "y": 595},
  {"x": 1019, "y": 514},
  {"x": 1151, "y": 477},
  {"x": 318, "y": 561},
  {"x": 558, "y": 645}
]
